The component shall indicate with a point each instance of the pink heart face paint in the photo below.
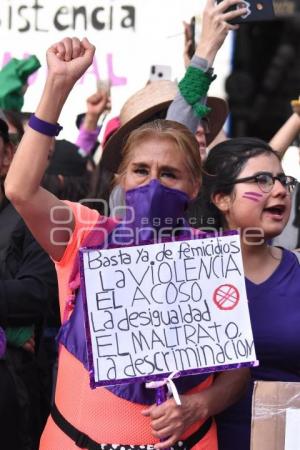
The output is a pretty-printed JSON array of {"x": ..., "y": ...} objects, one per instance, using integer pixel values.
[{"x": 255, "y": 196}]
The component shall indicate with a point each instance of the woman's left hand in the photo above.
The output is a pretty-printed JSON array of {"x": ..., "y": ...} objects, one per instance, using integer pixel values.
[{"x": 169, "y": 421}]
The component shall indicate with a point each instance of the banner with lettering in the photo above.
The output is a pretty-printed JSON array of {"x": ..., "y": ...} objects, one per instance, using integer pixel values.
[
  {"x": 129, "y": 36},
  {"x": 162, "y": 308}
]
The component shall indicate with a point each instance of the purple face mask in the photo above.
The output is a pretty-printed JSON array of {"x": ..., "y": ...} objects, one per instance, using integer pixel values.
[{"x": 153, "y": 207}]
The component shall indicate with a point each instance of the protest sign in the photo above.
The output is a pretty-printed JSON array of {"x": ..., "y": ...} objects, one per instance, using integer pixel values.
[{"x": 175, "y": 306}]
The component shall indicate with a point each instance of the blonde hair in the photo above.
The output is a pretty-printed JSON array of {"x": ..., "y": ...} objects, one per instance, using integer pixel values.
[{"x": 183, "y": 139}]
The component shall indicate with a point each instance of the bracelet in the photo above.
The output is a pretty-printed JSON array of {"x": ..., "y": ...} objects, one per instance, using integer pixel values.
[
  {"x": 43, "y": 127},
  {"x": 193, "y": 87}
]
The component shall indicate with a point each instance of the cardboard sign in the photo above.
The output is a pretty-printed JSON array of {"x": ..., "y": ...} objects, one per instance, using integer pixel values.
[
  {"x": 292, "y": 438},
  {"x": 275, "y": 415},
  {"x": 176, "y": 306}
]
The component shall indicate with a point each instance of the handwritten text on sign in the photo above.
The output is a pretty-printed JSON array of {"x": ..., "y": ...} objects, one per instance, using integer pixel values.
[{"x": 166, "y": 307}]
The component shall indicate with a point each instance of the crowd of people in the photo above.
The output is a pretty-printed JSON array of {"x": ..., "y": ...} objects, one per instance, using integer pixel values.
[{"x": 165, "y": 156}]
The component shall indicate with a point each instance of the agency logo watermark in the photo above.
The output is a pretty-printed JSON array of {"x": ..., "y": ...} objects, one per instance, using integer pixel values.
[{"x": 156, "y": 229}]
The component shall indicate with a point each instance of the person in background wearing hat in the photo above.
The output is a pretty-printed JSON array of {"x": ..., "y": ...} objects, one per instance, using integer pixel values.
[
  {"x": 204, "y": 116},
  {"x": 28, "y": 284},
  {"x": 189, "y": 105},
  {"x": 160, "y": 158},
  {"x": 156, "y": 100},
  {"x": 190, "y": 110}
]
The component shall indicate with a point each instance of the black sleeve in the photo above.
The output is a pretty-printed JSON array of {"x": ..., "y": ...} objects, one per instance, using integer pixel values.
[{"x": 28, "y": 297}]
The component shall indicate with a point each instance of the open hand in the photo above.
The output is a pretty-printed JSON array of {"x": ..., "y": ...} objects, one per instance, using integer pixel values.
[{"x": 215, "y": 26}]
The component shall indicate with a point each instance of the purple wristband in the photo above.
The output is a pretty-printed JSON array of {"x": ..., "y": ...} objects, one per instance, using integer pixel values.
[{"x": 44, "y": 127}]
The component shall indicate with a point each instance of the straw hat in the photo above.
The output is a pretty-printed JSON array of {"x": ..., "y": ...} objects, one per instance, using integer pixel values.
[{"x": 148, "y": 104}]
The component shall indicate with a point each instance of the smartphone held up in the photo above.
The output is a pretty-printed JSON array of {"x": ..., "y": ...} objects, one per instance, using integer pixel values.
[{"x": 256, "y": 11}]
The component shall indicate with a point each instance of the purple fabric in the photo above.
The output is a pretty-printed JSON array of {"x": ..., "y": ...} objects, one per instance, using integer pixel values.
[
  {"x": 43, "y": 127},
  {"x": 138, "y": 393},
  {"x": 72, "y": 334},
  {"x": 274, "y": 307},
  {"x": 2, "y": 343},
  {"x": 87, "y": 138},
  {"x": 161, "y": 395},
  {"x": 154, "y": 207}
]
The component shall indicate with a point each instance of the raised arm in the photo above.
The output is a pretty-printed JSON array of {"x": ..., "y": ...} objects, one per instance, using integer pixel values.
[
  {"x": 96, "y": 105},
  {"x": 215, "y": 28},
  {"x": 286, "y": 134},
  {"x": 49, "y": 219}
]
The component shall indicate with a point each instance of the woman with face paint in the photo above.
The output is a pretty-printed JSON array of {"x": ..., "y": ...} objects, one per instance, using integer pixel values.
[
  {"x": 244, "y": 188},
  {"x": 159, "y": 174}
]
